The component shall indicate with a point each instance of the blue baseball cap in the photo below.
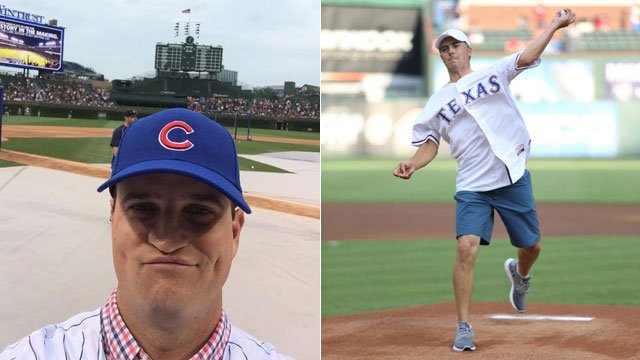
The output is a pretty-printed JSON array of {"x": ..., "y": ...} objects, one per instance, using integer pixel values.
[{"x": 183, "y": 142}]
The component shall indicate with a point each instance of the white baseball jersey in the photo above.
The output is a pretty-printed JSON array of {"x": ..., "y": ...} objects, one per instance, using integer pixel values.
[
  {"x": 478, "y": 117},
  {"x": 79, "y": 338}
]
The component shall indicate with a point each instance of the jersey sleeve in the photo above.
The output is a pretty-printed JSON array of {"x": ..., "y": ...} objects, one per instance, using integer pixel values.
[
  {"x": 424, "y": 130},
  {"x": 508, "y": 66}
]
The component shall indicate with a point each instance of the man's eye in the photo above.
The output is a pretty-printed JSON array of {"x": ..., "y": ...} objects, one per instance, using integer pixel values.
[
  {"x": 144, "y": 208},
  {"x": 199, "y": 210}
]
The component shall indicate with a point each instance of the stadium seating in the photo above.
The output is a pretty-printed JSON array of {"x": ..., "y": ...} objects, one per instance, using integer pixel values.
[
  {"x": 495, "y": 40},
  {"x": 55, "y": 91},
  {"x": 289, "y": 106}
]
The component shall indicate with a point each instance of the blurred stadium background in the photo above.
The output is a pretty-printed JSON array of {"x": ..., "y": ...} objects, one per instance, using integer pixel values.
[{"x": 379, "y": 67}]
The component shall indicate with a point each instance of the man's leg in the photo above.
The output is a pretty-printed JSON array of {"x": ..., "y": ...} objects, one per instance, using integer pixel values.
[
  {"x": 518, "y": 212},
  {"x": 526, "y": 258},
  {"x": 474, "y": 215},
  {"x": 518, "y": 273},
  {"x": 463, "y": 274},
  {"x": 463, "y": 287}
]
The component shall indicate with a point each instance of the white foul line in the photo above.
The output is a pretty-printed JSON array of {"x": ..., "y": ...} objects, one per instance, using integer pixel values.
[{"x": 540, "y": 317}]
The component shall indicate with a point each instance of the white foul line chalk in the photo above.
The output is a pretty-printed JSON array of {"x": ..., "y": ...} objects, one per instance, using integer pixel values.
[{"x": 540, "y": 317}]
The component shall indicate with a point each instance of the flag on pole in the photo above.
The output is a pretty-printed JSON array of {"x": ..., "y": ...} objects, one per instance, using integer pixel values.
[{"x": 186, "y": 11}]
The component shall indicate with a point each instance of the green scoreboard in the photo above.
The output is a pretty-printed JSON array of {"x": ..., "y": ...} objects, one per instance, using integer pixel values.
[{"x": 188, "y": 56}]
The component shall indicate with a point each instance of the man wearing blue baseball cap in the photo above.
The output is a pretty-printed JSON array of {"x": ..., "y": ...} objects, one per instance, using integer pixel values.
[{"x": 177, "y": 211}]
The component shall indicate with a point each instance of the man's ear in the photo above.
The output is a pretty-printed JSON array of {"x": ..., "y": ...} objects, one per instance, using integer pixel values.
[
  {"x": 112, "y": 203},
  {"x": 237, "y": 224}
]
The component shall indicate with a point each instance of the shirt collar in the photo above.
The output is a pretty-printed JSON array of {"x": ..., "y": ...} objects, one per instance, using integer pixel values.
[{"x": 119, "y": 344}]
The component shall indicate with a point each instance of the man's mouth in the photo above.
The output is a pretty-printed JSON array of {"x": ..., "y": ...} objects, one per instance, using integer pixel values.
[{"x": 169, "y": 260}]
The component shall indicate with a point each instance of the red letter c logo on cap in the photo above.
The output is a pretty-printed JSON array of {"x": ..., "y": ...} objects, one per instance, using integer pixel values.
[{"x": 167, "y": 143}]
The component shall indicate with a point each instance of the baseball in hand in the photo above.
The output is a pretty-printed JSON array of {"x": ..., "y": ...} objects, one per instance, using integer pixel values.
[{"x": 563, "y": 12}]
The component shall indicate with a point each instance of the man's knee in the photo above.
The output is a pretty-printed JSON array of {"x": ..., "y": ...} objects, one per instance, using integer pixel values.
[
  {"x": 535, "y": 249},
  {"x": 467, "y": 248}
]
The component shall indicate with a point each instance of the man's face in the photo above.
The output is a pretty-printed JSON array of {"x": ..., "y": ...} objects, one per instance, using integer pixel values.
[
  {"x": 130, "y": 119},
  {"x": 455, "y": 54},
  {"x": 174, "y": 239}
]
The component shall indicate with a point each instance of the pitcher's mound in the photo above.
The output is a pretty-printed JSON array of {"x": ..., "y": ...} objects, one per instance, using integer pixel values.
[{"x": 427, "y": 333}]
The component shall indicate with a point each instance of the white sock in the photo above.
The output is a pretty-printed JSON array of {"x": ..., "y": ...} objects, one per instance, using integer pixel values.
[{"x": 522, "y": 276}]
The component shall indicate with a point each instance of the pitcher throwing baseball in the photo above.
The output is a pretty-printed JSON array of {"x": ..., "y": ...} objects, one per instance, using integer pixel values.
[{"x": 477, "y": 115}]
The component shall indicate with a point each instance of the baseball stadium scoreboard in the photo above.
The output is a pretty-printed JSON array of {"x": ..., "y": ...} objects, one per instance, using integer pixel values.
[
  {"x": 30, "y": 45},
  {"x": 188, "y": 56}
]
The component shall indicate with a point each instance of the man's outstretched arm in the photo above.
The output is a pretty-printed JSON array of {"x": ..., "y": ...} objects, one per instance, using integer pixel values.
[{"x": 562, "y": 19}]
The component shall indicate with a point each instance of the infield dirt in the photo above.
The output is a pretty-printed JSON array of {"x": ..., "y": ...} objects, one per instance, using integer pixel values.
[
  {"x": 379, "y": 221},
  {"x": 427, "y": 333}
]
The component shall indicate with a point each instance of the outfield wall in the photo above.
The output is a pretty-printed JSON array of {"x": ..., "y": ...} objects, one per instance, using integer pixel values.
[{"x": 85, "y": 112}]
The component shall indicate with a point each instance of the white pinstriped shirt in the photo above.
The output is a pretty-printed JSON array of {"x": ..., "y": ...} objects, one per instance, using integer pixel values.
[{"x": 79, "y": 338}]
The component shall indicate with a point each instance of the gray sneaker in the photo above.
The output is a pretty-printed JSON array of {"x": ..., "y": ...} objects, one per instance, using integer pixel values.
[
  {"x": 519, "y": 285},
  {"x": 464, "y": 338}
]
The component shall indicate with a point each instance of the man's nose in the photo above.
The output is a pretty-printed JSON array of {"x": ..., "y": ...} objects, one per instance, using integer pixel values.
[{"x": 166, "y": 235}]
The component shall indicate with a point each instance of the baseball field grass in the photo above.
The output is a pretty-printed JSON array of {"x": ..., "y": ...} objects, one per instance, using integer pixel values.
[
  {"x": 97, "y": 150},
  {"x": 7, "y": 164},
  {"x": 49, "y": 121},
  {"x": 112, "y": 124},
  {"x": 359, "y": 276},
  {"x": 554, "y": 181}
]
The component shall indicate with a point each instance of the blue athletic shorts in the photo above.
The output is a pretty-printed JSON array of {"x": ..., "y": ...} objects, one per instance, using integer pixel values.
[{"x": 514, "y": 204}]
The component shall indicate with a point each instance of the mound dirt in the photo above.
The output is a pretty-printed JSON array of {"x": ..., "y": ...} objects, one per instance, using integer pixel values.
[{"x": 427, "y": 333}]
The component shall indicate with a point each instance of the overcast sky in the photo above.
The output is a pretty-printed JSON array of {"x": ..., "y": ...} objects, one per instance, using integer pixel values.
[{"x": 266, "y": 41}]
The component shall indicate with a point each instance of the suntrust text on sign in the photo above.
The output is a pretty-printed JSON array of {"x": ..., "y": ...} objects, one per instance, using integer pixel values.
[{"x": 17, "y": 14}]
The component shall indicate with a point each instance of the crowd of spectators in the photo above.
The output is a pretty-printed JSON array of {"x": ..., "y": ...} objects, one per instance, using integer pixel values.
[
  {"x": 59, "y": 92},
  {"x": 286, "y": 107}
]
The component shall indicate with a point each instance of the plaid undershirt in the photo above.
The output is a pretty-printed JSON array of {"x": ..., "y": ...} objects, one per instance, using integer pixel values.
[{"x": 119, "y": 344}]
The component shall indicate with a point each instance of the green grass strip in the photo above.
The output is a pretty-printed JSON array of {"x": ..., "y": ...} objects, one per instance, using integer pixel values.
[
  {"x": 364, "y": 276},
  {"x": 261, "y": 147},
  {"x": 554, "y": 181},
  {"x": 252, "y": 165},
  {"x": 308, "y": 135},
  {"x": 97, "y": 150},
  {"x": 86, "y": 150},
  {"x": 46, "y": 121},
  {"x": 8, "y": 164},
  {"x": 112, "y": 124}
]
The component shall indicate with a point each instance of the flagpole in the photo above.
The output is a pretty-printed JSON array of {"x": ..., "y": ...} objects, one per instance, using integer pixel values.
[{"x": 188, "y": 11}]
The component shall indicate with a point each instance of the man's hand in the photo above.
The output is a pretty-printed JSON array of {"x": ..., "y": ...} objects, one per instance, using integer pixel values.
[
  {"x": 404, "y": 170},
  {"x": 563, "y": 18}
]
